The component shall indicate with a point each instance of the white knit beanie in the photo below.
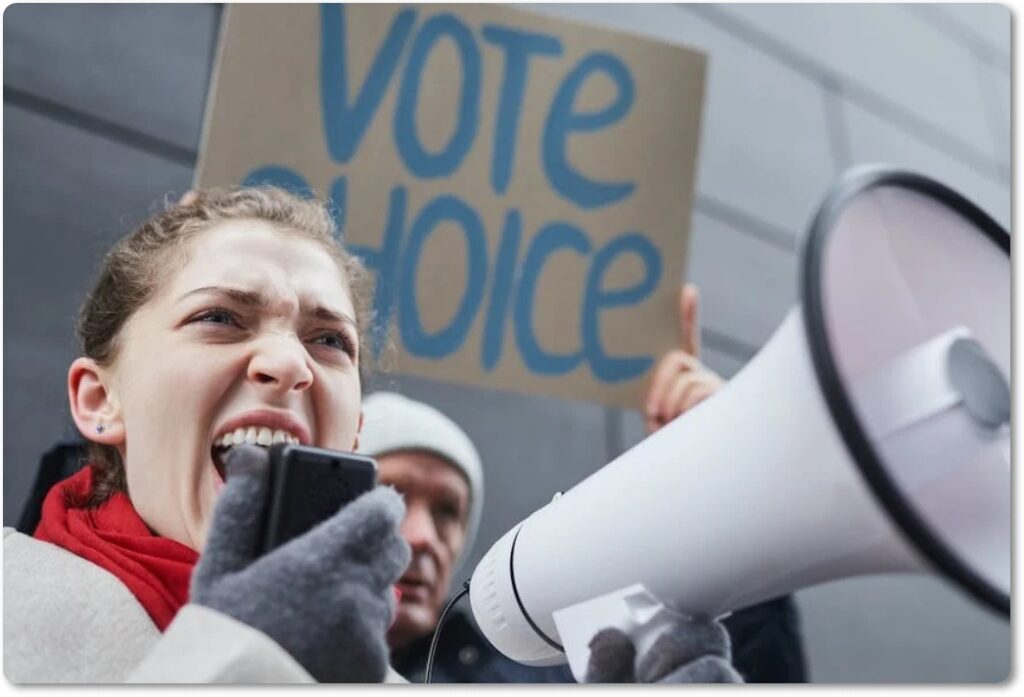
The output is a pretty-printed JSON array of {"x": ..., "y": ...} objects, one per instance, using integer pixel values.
[{"x": 392, "y": 422}]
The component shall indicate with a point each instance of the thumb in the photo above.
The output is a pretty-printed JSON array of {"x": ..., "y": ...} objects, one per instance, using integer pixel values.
[
  {"x": 689, "y": 320},
  {"x": 612, "y": 657}
]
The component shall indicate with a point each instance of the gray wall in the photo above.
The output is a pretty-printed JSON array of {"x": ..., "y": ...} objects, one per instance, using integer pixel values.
[{"x": 102, "y": 112}]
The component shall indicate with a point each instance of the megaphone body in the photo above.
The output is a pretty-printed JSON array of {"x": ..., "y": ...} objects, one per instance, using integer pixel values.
[{"x": 817, "y": 461}]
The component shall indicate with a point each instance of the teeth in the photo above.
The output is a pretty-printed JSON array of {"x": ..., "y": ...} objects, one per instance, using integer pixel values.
[
  {"x": 264, "y": 437},
  {"x": 257, "y": 435}
]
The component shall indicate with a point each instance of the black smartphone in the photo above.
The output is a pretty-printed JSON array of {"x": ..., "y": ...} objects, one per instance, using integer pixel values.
[{"x": 309, "y": 485}]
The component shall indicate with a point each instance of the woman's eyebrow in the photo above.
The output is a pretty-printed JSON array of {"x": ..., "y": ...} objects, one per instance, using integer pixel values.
[
  {"x": 242, "y": 297},
  {"x": 252, "y": 298},
  {"x": 326, "y": 315}
]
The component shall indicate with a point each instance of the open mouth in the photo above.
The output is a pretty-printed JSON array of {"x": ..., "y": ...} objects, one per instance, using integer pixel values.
[{"x": 252, "y": 435}]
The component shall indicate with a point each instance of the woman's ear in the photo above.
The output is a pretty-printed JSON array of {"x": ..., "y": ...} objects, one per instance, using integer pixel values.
[{"x": 94, "y": 407}]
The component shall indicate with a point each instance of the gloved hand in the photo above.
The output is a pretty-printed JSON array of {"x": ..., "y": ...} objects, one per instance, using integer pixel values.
[
  {"x": 326, "y": 596},
  {"x": 698, "y": 651}
]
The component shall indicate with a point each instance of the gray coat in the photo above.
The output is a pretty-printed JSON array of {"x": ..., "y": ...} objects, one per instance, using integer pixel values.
[{"x": 66, "y": 620}]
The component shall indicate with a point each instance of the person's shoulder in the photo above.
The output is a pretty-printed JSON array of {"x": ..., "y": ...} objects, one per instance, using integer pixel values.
[
  {"x": 66, "y": 618},
  {"x": 33, "y": 568},
  {"x": 36, "y": 569}
]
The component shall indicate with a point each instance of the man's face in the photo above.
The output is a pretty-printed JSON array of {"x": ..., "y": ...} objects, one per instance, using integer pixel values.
[{"x": 437, "y": 506}]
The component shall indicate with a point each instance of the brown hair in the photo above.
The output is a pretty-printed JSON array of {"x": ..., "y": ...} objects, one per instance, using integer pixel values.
[{"x": 142, "y": 261}]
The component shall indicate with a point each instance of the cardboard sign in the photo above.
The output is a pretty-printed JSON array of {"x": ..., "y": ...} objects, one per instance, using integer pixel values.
[{"x": 520, "y": 186}]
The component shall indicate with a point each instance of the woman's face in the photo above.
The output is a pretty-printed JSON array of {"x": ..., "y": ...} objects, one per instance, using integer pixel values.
[{"x": 254, "y": 338}]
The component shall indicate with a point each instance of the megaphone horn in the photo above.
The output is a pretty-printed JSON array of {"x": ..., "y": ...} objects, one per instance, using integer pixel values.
[{"x": 870, "y": 434}]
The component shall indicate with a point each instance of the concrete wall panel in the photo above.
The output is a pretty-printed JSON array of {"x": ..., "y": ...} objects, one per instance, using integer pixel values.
[{"x": 144, "y": 67}]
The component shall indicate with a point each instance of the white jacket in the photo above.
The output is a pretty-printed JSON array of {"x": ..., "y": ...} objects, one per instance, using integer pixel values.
[{"x": 68, "y": 620}]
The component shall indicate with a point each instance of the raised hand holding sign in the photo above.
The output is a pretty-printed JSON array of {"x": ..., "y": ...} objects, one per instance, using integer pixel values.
[{"x": 680, "y": 381}]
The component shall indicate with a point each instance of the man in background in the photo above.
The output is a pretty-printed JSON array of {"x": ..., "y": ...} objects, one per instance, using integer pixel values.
[{"x": 436, "y": 468}]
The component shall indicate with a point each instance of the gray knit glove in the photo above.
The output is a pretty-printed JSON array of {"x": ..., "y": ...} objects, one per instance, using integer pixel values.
[
  {"x": 692, "y": 652},
  {"x": 325, "y": 597}
]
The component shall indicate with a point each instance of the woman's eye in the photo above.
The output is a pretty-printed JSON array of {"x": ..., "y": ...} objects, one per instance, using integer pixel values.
[
  {"x": 336, "y": 340},
  {"x": 217, "y": 317}
]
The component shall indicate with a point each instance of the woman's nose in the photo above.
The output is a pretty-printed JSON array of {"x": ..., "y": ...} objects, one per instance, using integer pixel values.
[{"x": 281, "y": 362}]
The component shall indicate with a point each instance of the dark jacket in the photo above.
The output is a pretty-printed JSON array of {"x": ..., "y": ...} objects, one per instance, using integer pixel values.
[{"x": 765, "y": 638}]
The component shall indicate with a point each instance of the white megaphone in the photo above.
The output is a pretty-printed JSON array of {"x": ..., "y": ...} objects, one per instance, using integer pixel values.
[{"x": 870, "y": 434}]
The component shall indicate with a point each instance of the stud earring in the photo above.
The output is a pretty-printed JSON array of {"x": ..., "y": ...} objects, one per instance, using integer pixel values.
[{"x": 99, "y": 428}]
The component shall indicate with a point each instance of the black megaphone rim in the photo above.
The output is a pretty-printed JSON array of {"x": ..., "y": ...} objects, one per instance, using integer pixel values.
[{"x": 920, "y": 534}]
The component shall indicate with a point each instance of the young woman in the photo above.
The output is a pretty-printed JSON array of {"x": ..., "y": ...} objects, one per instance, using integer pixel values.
[
  {"x": 224, "y": 324},
  {"x": 227, "y": 322}
]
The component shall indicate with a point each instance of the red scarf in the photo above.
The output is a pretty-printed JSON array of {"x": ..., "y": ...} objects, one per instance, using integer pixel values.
[{"x": 113, "y": 536}]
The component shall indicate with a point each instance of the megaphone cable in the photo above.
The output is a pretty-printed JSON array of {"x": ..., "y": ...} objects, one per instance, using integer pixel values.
[{"x": 437, "y": 630}]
